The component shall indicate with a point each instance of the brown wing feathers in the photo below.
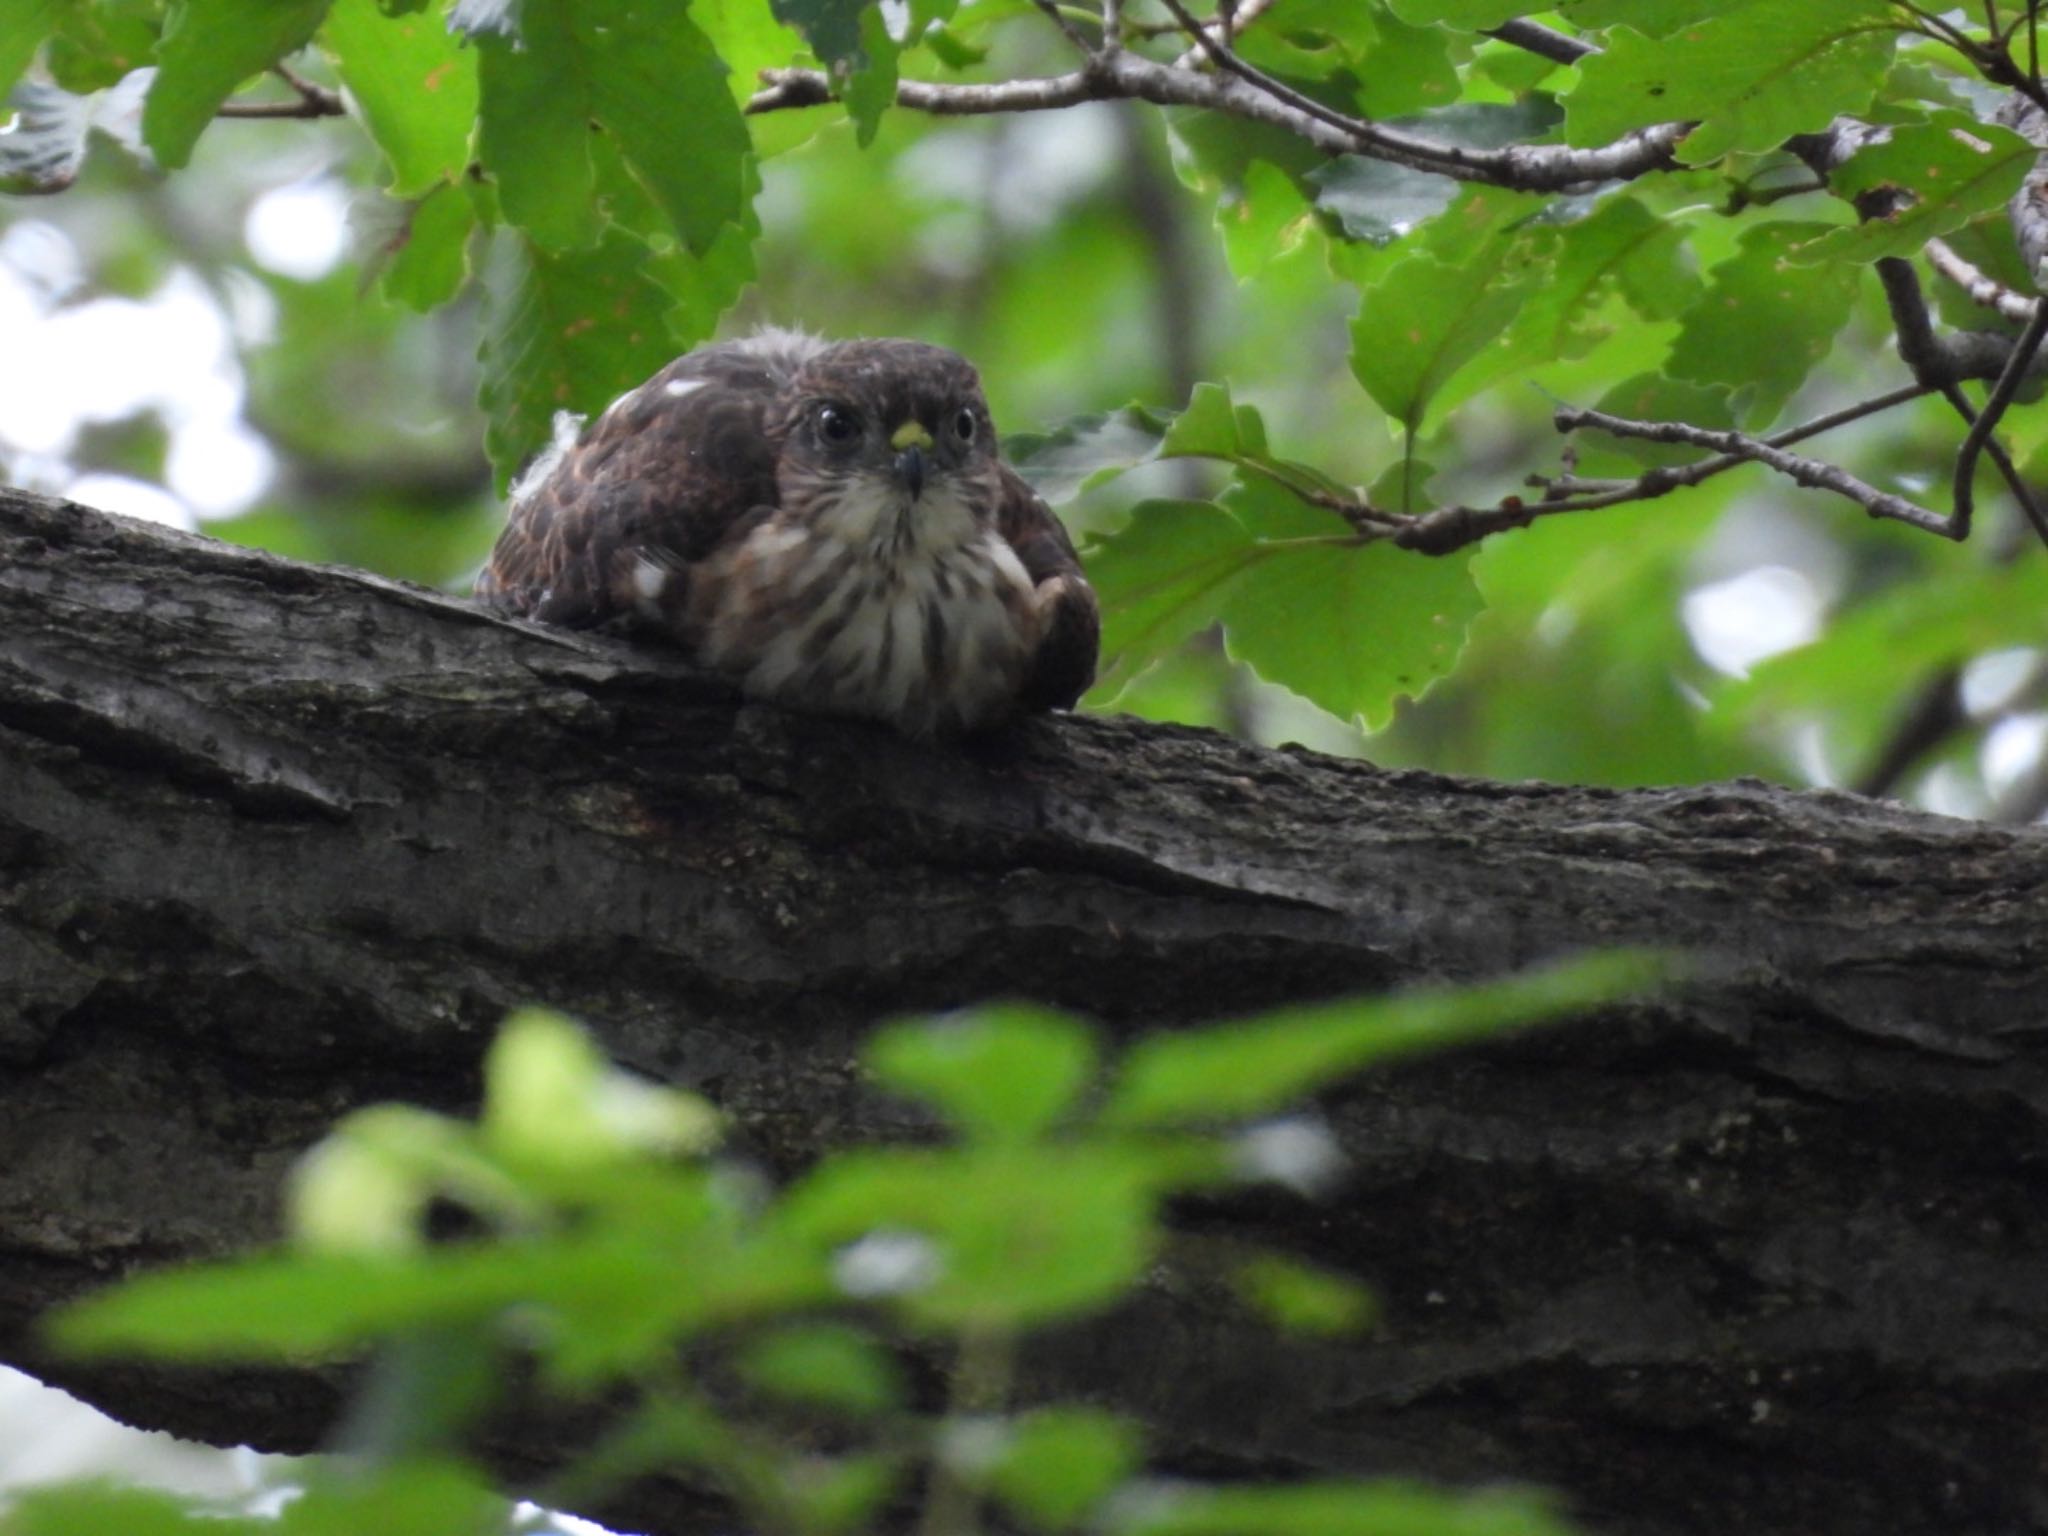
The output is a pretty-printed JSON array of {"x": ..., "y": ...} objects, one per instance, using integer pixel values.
[{"x": 605, "y": 530}]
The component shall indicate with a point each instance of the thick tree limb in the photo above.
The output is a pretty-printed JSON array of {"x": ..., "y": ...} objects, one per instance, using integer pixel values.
[{"x": 1764, "y": 1257}]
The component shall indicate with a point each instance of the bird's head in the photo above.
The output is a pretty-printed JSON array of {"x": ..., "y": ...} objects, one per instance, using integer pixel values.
[{"x": 888, "y": 440}]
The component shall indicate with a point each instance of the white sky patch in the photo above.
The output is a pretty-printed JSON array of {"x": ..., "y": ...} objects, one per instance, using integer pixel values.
[
  {"x": 43, "y": 258},
  {"x": 1739, "y": 622},
  {"x": 1948, "y": 791},
  {"x": 2011, "y": 749},
  {"x": 218, "y": 467},
  {"x": 131, "y": 498},
  {"x": 886, "y": 1263},
  {"x": 300, "y": 231},
  {"x": 110, "y": 359},
  {"x": 1993, "y": 681}
]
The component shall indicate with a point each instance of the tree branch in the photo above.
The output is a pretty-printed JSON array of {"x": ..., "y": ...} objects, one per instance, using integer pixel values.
[
  {"x": 278, "y": 841},
  {"x": 1446, "y": 529},
  {"x": 1980, "y": 287},
  {"x": 1108, "y": 76},
  {"x": 1796, "y": 467},
  {"x": 311, "y": 100}
]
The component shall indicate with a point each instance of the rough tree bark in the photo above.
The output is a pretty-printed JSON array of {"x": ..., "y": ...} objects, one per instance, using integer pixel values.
[{"x": 1769, "y": 1256}]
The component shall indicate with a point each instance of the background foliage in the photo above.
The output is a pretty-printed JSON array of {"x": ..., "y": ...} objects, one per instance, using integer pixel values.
[
  {"x": 833, "y": 1356},
  {"x": 543, "y": 201}
]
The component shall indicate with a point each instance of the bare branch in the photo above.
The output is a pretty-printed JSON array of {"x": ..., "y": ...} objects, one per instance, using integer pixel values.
[
  {"x": 1073, "y": 33},
  {"x": 312, "y": 100},
  {"x": 1979, "y": 286},
  {"x": 1796, "y": 467},
  {"x": 1247, "y": 12},
  {"x": 1216, "y": 44},
  {"x": 1943, "y": 361},
  {"x": 1445, "y": 529},
  {"x": 1542, "y": 40},
  {"x": 1124, "y": 75},
  {"x": 2023, "y": 353}
]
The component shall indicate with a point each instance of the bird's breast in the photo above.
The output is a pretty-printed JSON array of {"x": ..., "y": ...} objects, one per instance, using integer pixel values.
[{"x": 933, "y": 640}]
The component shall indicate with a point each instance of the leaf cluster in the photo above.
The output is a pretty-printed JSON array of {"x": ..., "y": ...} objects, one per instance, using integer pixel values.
[{"x": 757, "y": 1337}]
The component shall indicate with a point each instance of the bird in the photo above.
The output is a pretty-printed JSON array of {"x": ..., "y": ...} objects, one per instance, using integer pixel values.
[{"x": 827, "y": 523}]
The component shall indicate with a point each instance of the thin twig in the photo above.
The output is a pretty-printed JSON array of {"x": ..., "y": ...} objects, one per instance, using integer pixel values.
[
  {"x": 1795, "y": 467},
  {"x": 1247, "y": 12},
  {"x": 1539, "y": 39},
  {"x": 1445, "y": 529},
  {"x": 312, "y": 100},
  {"x": 1072, "y": 33},
  {"x": 1979, "y": 286},
  {"x": 1217, "y": 46},
  {"x": 1995, "y": 403},
  {"x": 1944, "y": 361}
]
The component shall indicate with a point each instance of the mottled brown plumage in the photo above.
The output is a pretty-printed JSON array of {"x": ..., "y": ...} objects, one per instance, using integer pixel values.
[{"x": 827, "y": 523}]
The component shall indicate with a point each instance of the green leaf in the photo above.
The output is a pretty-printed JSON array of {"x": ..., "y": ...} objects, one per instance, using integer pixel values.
[
  {"x": 1654, "y": 18},
  {"x": 1952, "y": 169},
  {"x": 1214, "y": 426},
  {"x": 99, "y": 1507},
  {"x": 412, "y": 1497},
  {"x": 565, "y": 332},
  {"x": 1303, "y": 1298},
  {"x": 1086, "y": 451},
  {"x": 1057, "y": 1464},
  {"x": 533, "y": 124},
  {"x": 1761, "y": 321},
  {"x": 840, "y": 1495},
  {"x": 1337, "y": 1509},
  {"x": 1465, "y": 15},
  {"x": 658, "y": 85},
  {"x": 1591, "y": 257},
  {"x": 1751, "y": 76},
  {"x": 646, "y": 76},
  {"x": 852, "y": 41},
  {"x": 749, "y": 38},
  {"x": 1023, "y": 1235},
  {"x": 551, "y": 1099},
  {"x": 1406, "y": 70},
  {"x": 23, "y": 26},
  {"x": 1266, "y": 219},
  {"x": 431, "y": 261},
  {"x": 1162, "y": 577},
  {"x": 209, "y": 48},
  {"x": 1260, "y": 1065},
  {"x": 415, "y": 86},
  {"x": 1349, "y": 627},
  {"x": 1005, "y": 1072},
  {"x": 832, "y": 27},
  {"x": 825, "y": 1365},
  {"x": 1422, "y": 320},
  {"x": 97, "y": 42},
  {"x": 1375, "y": 200},
  {"x": 871, "y": 89},
  {"x": 291, "y": 1307}
]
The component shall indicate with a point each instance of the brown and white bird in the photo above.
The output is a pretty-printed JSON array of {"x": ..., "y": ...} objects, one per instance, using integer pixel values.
[{"x": 828, "y": 523}]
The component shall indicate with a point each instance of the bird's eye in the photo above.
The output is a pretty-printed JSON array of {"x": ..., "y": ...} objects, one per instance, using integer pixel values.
[
  {"x": 963, "y": 424},
  {"x": 836, "y": 424}
]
